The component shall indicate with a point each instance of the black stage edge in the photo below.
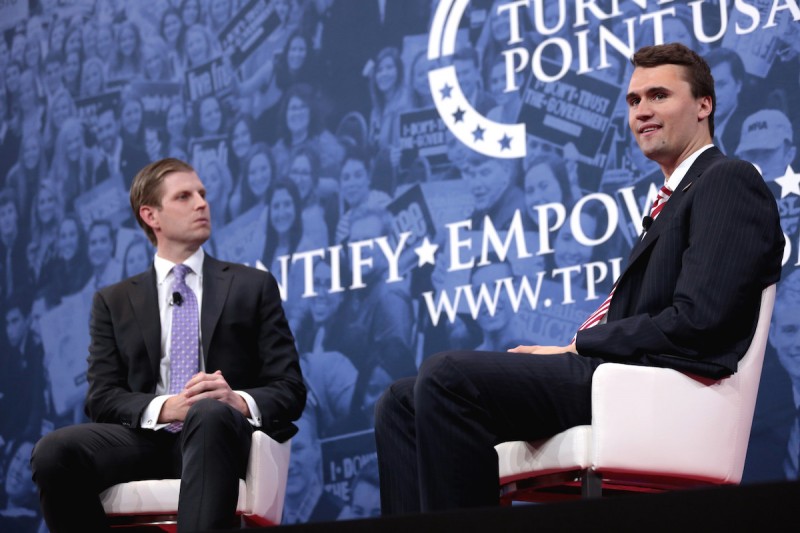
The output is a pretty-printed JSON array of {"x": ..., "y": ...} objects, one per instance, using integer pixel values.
[{"x": 743, "y": 508}]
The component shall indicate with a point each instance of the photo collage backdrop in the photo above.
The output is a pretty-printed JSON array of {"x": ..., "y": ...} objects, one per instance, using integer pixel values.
[{"x": 401, "y": 214}]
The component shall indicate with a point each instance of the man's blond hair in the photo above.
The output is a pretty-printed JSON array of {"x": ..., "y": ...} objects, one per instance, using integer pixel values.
[{"x": 146, "y": 188}]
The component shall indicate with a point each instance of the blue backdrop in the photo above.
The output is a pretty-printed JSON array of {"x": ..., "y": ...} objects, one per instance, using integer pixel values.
[{"x": 418, "y": 174}]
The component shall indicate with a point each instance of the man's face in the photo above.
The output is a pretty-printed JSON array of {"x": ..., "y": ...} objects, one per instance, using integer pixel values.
[
  {"x": 132, "y": 116},
  {"x": 8, "y": 220},
  {"x": 467, "y": 76},
  {"x": 184, "y": 220},
  {"x": 101, "y": 246},
  {"x": 304, "y": 467},
  {"x": 18, "y": 476},
  {"x": 664, "y": 116},
  {"x": 325, "y": 303},
  {"x": 107, "y": 130},
  {"x": 67, "y": 243},
  {"x": 52, "y": 75},
  {"x": 784, "y": 336},
  {"x": 487, "y": 180},
  {"x": 15, "y": 326},
  {"x": 727, "y": 89},
  {"x": 38, "y": 308},
  {"x": 366, "y": 501},
  {"x": 354, "y": 181},
  {"x": 503, "y": 313}
]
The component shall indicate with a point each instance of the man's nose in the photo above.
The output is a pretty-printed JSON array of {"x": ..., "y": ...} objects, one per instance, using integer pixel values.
[{"x": 643, "y": 110}]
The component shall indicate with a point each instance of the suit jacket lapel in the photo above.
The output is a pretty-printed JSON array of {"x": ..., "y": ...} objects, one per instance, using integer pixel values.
[
  {"x": 144, "y": 302},
  {"x": 216, "y": 282},
  {"x": 671, "y": 207}
]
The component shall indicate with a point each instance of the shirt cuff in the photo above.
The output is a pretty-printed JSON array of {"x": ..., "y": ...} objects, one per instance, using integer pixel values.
[
  {"x": 255, "y": 413},
  {"x": 149, "y": 418}
]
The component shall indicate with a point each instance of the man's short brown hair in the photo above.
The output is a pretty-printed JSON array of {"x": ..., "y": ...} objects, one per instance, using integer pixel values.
[
  {"x": 146, "y": 188},
  {"x": 698, "y": 73}
]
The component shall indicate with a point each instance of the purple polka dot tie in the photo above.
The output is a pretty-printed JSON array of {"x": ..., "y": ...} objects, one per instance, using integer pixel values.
[{"x": 185, "y": 342}]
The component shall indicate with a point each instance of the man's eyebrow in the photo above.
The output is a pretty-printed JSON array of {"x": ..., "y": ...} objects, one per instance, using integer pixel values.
[{"x": 649, "y": 90}]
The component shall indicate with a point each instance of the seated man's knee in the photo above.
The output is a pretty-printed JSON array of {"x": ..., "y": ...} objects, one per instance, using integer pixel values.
[
  {"x": 442, "y": 376},
  {"x": 209, "y": 411},
  {"x": 387, "y": 403},
  {"x": 395, "y": 399},
  {"x": 436, "y": 365},
  {"x": 53, "y": 454}
]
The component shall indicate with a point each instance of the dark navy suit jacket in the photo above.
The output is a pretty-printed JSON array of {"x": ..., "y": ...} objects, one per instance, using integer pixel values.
[
  {"x": 689, "y": 297},
  {"x": 244, "y": 334}
]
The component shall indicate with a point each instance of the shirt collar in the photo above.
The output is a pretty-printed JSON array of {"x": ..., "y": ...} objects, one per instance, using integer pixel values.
[
  {"x": 677, "y": 176},
  {"x": 164, "y": 266}
]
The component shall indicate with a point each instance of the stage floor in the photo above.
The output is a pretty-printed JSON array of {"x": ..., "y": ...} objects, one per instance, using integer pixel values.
[{"x": 744, "y": 508}]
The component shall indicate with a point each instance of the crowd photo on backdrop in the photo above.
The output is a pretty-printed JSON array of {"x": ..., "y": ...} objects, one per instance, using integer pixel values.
[{"x": 397, "y": 188}]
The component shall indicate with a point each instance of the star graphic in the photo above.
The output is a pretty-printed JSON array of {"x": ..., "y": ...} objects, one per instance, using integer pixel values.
[
  {"x": 446, "y": 90},
  {"x": 505, "y": 142},
  {"x": 478, "y": 133},
  {"x": 459, "y": 115},
  {"x": 426, "y": 252},
  {"x": 789, "y": 182}
]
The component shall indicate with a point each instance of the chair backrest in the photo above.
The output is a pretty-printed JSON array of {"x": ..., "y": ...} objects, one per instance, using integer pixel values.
[
  {"x": 748, "y": 375},
  {"x": 649, "y": 421}
]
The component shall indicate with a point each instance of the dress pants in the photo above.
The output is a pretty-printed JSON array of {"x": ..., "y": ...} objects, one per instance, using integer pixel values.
[
  {"x": 72, "y": 465},
  {"x": 436, "y": 433}
]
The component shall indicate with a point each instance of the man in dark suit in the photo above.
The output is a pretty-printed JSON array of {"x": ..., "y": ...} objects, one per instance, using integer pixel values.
[
  {"x": 687, "y": 300},
  {"x": 120, "y": 158},
  {"x": 14, "y": 274},
  {"x": 246, "y": 372}
]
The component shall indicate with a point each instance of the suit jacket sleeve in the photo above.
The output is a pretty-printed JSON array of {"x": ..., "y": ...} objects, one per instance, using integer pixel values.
[
  {"x": 279, "y": 392},
  {"x": 121, "y": 379},
  {"x": 689, "y": 299}
]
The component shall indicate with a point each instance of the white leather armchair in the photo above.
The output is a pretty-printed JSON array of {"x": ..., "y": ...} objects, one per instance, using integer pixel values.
[
  {"x": 653, "y": 429},
  {"x": 155, "y": 501}
]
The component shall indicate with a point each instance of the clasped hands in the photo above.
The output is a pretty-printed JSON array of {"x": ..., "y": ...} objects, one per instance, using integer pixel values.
[
  {"x": 201, "y": 386},
  {"x": 543, "y": 350}
]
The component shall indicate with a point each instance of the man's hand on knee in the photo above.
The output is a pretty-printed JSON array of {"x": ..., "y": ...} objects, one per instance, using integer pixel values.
[
  {"x": 174, "y": 409},
  {"x": 214, "y": 386}
]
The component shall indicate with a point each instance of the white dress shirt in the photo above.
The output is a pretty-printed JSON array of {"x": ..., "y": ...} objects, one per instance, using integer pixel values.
[{"x": 194, "y": 280}]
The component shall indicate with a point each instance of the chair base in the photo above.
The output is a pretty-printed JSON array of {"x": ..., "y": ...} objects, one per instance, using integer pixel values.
[
  {"x": 169, "y": 522},
  {"x": 586, "y": 484},
  {"x": 135, "y": 523}
]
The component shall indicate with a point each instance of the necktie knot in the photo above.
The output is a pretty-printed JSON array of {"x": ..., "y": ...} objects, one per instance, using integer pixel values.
[
  {"x": 663, "y": 194},
  {"x": 180, "y": 271},
  {"x": 661, "y": 199}
]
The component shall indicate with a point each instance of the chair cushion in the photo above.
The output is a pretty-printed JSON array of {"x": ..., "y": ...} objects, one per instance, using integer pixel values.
[
  {"x": 569, "y": 450},
  {"x": 152, "y": 496}
]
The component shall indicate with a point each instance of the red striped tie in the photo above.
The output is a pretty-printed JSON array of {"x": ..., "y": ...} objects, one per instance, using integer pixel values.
[
  {"x": 596, "y": 317},
  {"x": 658, "y": 204}
]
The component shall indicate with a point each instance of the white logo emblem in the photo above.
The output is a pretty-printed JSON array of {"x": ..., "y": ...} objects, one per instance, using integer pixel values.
[{"x": 490, "y": 138}]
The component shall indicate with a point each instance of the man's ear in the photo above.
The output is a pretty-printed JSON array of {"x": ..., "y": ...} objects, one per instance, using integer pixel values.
[
  {"x": 149, "y": 216},
  {"x": 706, "y": 106}
]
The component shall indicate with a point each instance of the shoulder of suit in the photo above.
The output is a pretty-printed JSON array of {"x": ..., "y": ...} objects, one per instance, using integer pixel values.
[
  {"x": 234, "y": 268},
  {"x": 724, "y": 167}
]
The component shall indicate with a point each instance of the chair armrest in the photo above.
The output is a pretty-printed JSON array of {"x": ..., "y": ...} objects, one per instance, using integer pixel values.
[
  {"x": 661, "y": 421},
  {"x": 267, "y": 472}
]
